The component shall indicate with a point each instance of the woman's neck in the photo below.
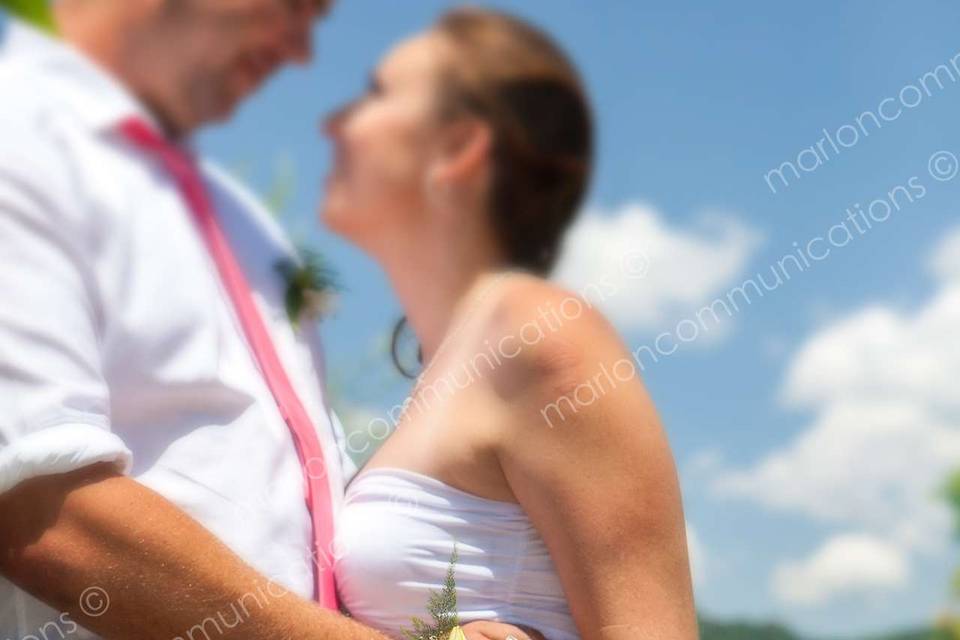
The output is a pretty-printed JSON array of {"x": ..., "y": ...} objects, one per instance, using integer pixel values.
[{"x": 433, "y": 280}]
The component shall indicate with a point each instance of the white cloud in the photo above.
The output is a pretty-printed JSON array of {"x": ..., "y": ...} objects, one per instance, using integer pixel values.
[
  {"x": 945, "y": 261},
  {"x": 882, "y": 384},
  {"x": 657, "y": 272},
  {"x": 873, "y": 465},
  {"x": 846, "y": 565},
  {"x": 698, "y": 557},
  {"x": 882, "y": 353}
]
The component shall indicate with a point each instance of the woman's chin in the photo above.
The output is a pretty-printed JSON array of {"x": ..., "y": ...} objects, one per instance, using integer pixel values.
[
  {"x": 332, "y": 216},
  {"x": 340, "y": 221}
]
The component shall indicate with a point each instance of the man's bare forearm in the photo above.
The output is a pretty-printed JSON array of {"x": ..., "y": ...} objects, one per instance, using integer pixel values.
[{"x": 127, "y": 564}]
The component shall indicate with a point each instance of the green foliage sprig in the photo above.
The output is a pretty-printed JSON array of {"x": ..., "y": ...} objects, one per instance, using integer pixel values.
[
  {"x": 442, "y": 607},
  {"x": 949, "y": 626},
  {"x": 35, "y": 12}
]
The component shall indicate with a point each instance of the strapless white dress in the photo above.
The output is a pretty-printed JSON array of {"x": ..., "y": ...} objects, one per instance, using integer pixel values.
[{"x": 396, "y": 534}]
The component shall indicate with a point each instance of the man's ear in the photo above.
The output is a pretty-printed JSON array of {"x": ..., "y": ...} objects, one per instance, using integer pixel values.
[{"x": 467, "y": 146}]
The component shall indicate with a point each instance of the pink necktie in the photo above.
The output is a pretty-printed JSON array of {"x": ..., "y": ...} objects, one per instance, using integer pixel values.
[{"x": 319, "y": 504}]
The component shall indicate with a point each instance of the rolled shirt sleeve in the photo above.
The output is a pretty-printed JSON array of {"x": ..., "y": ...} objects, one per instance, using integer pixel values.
[{"x": 54, "y": 400}]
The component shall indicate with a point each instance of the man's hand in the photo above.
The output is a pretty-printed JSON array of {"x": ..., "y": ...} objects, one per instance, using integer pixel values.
[
  {"x": 484, "y": 630},
  {"x": 158, "y": 574}
]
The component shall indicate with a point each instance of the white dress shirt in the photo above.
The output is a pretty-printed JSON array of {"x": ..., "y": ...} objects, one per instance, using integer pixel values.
[{"x": 117, "y": 341}]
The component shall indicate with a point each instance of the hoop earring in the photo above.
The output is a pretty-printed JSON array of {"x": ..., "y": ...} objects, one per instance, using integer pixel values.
[{"x": 395, "y": 350}]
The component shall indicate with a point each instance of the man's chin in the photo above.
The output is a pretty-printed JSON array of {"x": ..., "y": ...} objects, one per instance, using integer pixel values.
[
  {"x": 220, "y": 102},
  {"x": 215, "y": 114}
]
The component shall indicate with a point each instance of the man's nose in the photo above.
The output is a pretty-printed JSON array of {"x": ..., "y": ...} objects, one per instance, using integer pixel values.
[
  {"x": 298, "y": 38},
  {"x": 300, "y": 45}
]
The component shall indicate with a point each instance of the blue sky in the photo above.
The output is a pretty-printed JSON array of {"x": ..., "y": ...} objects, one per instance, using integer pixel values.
[
  {"x": 809, "y": 427},
  {"x": 696, "y": 102}
]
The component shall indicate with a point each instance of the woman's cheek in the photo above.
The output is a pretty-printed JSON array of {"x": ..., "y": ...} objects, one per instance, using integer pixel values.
[
  {"x": 382, "y": 166},
  {"x": 386, "y": 173}
]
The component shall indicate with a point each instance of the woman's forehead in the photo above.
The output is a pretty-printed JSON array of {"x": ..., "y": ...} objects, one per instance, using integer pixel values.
[{"x": 416, "y": 57}]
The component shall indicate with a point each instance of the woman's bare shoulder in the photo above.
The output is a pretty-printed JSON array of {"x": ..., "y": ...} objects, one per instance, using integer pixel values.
[{"x": 545, "y": 332}]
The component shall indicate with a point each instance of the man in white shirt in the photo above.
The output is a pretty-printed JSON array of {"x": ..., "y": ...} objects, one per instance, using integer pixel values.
[{"x": 149, "y": 487}]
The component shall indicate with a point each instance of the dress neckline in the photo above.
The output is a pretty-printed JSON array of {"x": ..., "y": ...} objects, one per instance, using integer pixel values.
[{"x": 431, "y": 481}]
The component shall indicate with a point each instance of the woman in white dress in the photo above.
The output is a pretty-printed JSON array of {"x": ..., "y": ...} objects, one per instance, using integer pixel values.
[{"x": 529, "y": 440}]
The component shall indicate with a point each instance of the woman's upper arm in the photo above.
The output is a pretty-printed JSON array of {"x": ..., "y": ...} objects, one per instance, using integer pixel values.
[{"x": 589, "y": 462}]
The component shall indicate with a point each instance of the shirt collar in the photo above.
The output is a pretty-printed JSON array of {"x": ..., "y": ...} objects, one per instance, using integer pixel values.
[{"x": 75, "y": 80}]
